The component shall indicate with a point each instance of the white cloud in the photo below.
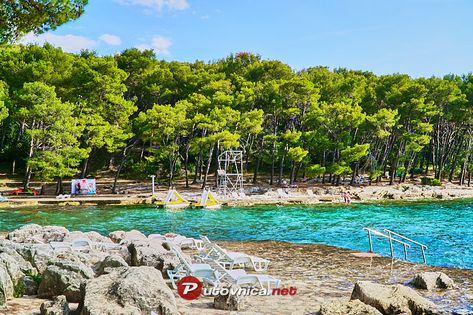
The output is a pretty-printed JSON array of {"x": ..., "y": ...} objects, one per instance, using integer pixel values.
[
  {"x": 69, "y": 43},
  {"x": 159, "y": 44},
  {"x": 111, "y": 39},
  {"x": 158, "y": 4}
]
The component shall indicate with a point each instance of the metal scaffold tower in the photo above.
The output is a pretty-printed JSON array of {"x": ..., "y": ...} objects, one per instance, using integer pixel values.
[{"x": 230, "y": 172}]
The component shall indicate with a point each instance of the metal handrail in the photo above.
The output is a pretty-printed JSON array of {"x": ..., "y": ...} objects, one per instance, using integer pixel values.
[
  {"x": 378, "y": 233},
  {"x": 422, "y": 246},
  {"x": 391, "y": 239},
  {"x": 406, "y": 238}
]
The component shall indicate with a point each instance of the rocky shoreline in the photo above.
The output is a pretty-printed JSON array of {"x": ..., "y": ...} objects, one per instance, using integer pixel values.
[{"x": 125, "y": 273}]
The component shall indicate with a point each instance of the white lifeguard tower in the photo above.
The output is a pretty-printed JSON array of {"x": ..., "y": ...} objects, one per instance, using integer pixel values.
[{"x": 230, "y": 172}]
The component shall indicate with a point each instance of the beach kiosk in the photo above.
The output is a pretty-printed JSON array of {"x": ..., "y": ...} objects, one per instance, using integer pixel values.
[
  {"x": 207, "y": 201},
  {"x": 173, "y": 200}
]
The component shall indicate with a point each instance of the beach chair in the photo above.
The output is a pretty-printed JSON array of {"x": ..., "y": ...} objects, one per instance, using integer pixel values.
[
  {"x": 310, "y": 193},
  {"x": 61, "y": 246},
  {"x": 239, "y": 277},
  {"x": 179, "y": 240},
  {"x": 186, "y": 268},
  {"x": 282, "y": 193},
  {"x": 230, "y": 259},
  {"x": 243, "y": 195}
]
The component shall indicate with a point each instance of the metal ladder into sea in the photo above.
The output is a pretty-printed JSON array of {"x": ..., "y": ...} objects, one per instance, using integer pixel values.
[{"x": 397, "y": 238}]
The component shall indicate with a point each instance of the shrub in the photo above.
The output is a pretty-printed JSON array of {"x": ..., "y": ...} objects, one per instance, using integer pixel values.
[{"x": 430, "y": 181}]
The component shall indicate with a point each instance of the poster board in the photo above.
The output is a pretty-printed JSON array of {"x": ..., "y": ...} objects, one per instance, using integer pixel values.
[{"x": 85, "y": 186}]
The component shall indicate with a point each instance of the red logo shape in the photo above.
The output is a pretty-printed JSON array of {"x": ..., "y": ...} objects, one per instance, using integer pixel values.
[{"x": 189, "y": 288}]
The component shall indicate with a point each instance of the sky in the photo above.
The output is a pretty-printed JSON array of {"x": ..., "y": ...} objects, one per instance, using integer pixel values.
[{"x": 417, "y": 37}]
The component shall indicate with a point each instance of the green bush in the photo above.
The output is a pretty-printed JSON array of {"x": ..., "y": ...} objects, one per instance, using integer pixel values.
[
  {"x": 19, "y": 290},
  {"x": 430, "y": 181},
  {"x": 36, "y": 277}
]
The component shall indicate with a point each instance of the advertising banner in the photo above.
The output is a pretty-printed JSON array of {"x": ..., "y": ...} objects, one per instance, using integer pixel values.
[{"x": 84, "y": 186}]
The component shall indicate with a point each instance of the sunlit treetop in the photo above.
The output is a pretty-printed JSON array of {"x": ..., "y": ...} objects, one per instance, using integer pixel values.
[{"x": 19, "y": 17}]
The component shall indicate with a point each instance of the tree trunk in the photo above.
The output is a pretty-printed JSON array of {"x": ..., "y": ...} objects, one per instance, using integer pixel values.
[
  {"x": 255, "y": 173},
  {"x": 207, "y": 168},
  {"x": 186, "y": 164},
  {"x": 293, "y": 171},
  {"x": 273, "y": 162}
]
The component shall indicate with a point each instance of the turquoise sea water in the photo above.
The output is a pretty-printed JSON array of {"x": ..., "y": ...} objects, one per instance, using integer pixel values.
[{"x": 445, "y": 227}]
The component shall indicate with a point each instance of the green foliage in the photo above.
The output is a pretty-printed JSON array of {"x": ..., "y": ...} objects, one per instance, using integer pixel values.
[
  {"x": 431, "y": 181},
  {"x": 35, "y": 276},
  {"x": 18, "y": 290},
  {"x": 315, "y": 170},
  {"x": 62, "y": 114},
  {"x": 355, "y": 153},
  {"x": 19, "y": 17},
  {"x": 297, "y": 154}
]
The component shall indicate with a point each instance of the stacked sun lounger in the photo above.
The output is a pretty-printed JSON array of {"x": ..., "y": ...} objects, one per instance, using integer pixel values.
[{"x": 218, "y": 267}]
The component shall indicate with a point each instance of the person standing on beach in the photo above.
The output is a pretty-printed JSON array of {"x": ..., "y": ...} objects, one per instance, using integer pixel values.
[{"x": 347, "y": 197}]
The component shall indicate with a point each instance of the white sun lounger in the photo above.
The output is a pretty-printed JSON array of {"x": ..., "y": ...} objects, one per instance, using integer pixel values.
[
  {"x": 230, "y": 259},
  {"x": 83, "y": 245},
  {"x": 179, "y": 240},
  {"x": 282, "y": 193},
  {"x": 239, "y": 277},
  {"x": 186, "y": 268}
]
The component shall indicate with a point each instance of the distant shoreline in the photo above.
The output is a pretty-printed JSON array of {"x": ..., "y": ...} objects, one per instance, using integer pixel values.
[{"x": 296, "y": 196}]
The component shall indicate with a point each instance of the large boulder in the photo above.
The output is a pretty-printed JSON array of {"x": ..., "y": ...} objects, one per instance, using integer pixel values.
[
  {"x": 40, "y": 256},
  {"x": 127, "y": 237},
  {"x": 58, "y": 306},
  {"x": 30, "y": 285},
  {"x": 12, "y": 267},
  {"x": 53, "y": 233},
  {"x": 432, "y": 280},
  {"x": 135, "y": 291},
  {"x": 392, "y": 299},
  {"x": 34, "y": 233},
  {"x": 64, "y": 278},
  {"x": 6, "y": 285},
  {"x": 117, "y": 236},
  {"x": 26, "y": 234},
  {"x": 109, "y": 263},
  {"x": 152, "y": 254},
  {"x": 355, "y": 307},
  {"x": 97, "y": 237}
]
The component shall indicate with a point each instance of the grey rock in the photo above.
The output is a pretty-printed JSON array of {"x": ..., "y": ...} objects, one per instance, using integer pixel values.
[
  {"x": 53, "y": 233},
  {"x": 156, "y": 256},
  {"x": 355, "y": 307},
  {"x": 432, "y": 280},
  {"x": 134, "y": 235},
  {"x": 6, "y": 285},
  {"x": 111, "y": 261},
  {"x": 64, "y": 278},
  {"x": 97, "y": 237},
  {"x": 445, "y": 282},
  {"x": 229, "y": 302},
  {"x": 25, "y": 233},
  {"x": 36, "y": 234},
  {"x": 392, "y": 299},
  {"x": 30, "y": 286},
  {"x": 13, "y": 268},
  {"x": 117, "y": 236},
  {"x": 135, "y": 291},
  {"x": 58, "y": 306}
]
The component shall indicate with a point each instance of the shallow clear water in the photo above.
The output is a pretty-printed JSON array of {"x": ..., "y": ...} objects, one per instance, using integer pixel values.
[{"x": 445, "y": 227}]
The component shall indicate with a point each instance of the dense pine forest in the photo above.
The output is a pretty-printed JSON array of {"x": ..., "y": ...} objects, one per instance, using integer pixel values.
[{"x": 68, "y": 115}]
